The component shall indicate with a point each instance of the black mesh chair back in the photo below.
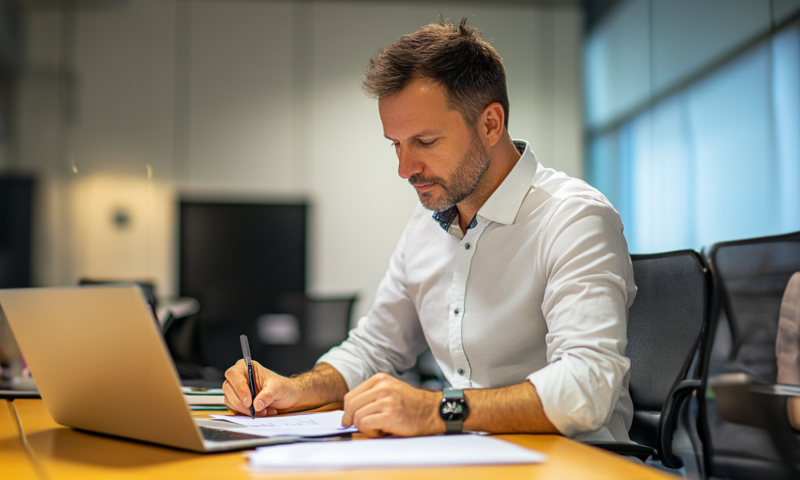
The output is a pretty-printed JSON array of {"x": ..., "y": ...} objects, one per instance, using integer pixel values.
[
  {"x": 750, "y": 278},
  {"x": 665, "y": 324}
]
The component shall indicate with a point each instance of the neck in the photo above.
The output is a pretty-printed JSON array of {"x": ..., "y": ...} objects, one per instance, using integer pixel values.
[{"x": 504, "y": 156}]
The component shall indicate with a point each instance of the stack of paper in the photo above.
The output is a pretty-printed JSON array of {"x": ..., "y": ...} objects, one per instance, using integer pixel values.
[
  {"x": 306, "y": 425},
  {"x": 394, "y": 452},
  {"x": 204, "y": 398}
]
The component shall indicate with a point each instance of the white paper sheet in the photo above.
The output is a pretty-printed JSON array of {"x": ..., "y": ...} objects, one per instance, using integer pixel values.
[
  {"x": 307, "y": 425},
  {"x": 394, "y": 452}
]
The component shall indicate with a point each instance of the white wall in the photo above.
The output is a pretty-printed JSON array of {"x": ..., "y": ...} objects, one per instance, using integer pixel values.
[
  {"x": 95, "y": 123},
  {"x": 260, "y": 98}
]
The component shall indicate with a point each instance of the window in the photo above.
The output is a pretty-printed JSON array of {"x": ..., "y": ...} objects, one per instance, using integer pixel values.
[{"x": 716, "y": 159}]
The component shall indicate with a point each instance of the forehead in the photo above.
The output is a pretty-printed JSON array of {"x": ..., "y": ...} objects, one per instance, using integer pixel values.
[{"x": 422, "y": 105}]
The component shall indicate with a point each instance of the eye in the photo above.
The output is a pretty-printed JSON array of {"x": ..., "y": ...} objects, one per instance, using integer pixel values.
[{"x": 427, "y": 143}]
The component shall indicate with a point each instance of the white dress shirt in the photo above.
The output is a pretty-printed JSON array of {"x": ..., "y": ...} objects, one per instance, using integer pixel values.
[{"x": 538, "y": 288}]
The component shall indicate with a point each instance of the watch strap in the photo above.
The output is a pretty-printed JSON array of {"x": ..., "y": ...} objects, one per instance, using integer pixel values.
[
  {"x": 453, "y": 393},
  {"x": 453, "y": 426}
]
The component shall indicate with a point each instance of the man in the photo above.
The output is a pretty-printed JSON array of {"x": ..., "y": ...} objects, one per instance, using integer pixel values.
[{"x": 520, "y": 282}]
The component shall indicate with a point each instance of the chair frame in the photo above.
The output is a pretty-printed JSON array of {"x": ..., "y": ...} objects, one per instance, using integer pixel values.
[{"x": 720, "y": 299}]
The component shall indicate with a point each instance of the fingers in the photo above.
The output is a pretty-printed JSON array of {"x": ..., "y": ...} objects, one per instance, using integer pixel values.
[
  {"x": 238, "y": 382},
  {"x": 234, "y": 406},
  {"x": 378, "y": 419},
  {"x": 265, "y": 397},
  {"x": 273, "y": 392},
  {"x": 368, "y": 392},
  {"x": 352, "y": 404},
  {"x": 372, "y": 408},
  {"x": 374, "y": 425},
  {"x": 246, "y": 411},
  {"x": 232, "y": 398}
]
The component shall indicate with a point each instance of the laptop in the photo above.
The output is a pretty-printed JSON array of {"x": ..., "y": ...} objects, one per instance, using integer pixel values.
[{"x": 101, "y": 365}]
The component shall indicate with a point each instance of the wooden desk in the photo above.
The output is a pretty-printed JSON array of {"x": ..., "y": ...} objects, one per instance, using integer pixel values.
[
  {"x": 14, "y": 460},
  {"x": 64, "y": 453}
]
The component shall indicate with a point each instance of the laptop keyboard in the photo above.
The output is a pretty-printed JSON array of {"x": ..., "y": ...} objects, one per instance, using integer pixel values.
[{"x": 216, "y": 435}]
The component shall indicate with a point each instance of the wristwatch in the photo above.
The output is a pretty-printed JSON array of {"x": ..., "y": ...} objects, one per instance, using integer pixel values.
[{"x": 453, "y": 410}]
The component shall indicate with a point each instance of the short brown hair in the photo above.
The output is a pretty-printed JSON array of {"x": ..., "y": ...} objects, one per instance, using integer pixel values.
[{"x": 454, "y": 56}]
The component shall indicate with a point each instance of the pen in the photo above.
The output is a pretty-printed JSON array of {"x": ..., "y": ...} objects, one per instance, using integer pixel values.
[{"x": 249, "y": 362}]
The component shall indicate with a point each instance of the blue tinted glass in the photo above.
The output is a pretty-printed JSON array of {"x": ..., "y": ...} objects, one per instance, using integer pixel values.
[
  {"x": 786, "y": 100},
  {"x": 663, "y": 181},
  {"x": 719, "y": 160}
]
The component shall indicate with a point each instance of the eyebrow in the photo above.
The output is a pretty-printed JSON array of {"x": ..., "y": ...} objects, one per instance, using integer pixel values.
[{"x": 420, "y": 134}]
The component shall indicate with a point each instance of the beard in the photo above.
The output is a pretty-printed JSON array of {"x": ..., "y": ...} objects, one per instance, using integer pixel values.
[{"x": 462, "y": 182}]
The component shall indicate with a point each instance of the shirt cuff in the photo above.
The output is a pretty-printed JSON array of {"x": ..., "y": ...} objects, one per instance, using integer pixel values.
[{"x": 551, "y": 391}]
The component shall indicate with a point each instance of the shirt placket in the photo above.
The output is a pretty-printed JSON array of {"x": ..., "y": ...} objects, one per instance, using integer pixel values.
[{"x": 462, "y": 373}]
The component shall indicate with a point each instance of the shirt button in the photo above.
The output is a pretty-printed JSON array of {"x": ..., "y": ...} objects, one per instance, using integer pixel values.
[
  {"x": 467, "y": 246},
  {"x": 456, "y": 311},
  {"x": 461, "y": 371}
]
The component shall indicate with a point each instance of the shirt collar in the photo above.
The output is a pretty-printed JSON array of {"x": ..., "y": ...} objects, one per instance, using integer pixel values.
[{"x": 503, "y": 205}]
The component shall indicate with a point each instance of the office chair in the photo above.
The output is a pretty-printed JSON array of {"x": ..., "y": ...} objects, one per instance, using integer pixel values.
[
  {"x": 750, "y": 277},
  {"x": 295, "y": 334},
  {"x": 665, "y": 325}
]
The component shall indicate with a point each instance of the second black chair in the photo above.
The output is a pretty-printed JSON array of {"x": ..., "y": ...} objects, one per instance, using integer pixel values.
[{"x": 665, "y": 326}]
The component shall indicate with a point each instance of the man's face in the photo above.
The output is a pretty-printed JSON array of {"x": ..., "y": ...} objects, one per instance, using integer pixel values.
[{"x": 439, "y": 154}]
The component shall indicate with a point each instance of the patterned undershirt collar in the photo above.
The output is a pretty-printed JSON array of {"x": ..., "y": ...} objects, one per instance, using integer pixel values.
[{"x": 445, "y": 217}]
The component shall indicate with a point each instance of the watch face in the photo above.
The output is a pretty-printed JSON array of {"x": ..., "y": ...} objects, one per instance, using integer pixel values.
[{"x": 453, "y": 409}]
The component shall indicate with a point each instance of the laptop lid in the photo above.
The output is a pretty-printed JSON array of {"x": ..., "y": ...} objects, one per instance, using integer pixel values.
[{"x": 100, "y": 362}]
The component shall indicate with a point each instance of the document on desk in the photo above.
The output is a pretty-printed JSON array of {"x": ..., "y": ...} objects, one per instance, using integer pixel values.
[
  {"x": 304, "y": 425},
  {"x": 443, "y": 450}
]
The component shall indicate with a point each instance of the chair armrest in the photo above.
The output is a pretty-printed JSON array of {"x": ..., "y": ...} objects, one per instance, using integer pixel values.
[
  {"x": 669, "y": 420},
  {"x": 642, "y": 452}
]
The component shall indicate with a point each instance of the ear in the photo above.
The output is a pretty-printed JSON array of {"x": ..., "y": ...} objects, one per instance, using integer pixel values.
[{"x": 491, "y": 124}]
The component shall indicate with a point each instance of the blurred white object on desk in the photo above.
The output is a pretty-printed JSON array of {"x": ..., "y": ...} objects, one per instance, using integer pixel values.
[{"x": 394, "y": 452}]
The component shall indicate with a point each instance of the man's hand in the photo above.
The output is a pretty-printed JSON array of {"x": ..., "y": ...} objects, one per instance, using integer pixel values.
[
  {"x": 384, "y": 405},
  {"x": 273, "y": 392}
]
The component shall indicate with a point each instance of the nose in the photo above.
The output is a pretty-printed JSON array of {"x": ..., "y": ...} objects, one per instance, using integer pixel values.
[{"x": 409, "y": 164}]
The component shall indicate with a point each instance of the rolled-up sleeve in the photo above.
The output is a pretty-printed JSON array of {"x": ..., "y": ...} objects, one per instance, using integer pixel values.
[
  {"x": 389, "y": 338},
  {"x": 589, "y": 288}
]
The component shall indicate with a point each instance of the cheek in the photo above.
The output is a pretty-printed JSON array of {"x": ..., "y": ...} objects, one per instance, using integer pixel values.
[{"x": 437, "y": 163}]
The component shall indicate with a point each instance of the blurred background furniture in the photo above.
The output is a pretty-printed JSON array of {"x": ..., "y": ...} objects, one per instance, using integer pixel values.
[
  {"x": 291, "y": 341},
  {"x": 16, "y": 262},
  {"x": 666, "y": 323},
  {"x": 750, "y": 279},
  {"x": 16, "y": 230},
  {"x": 238, "y": 260}
]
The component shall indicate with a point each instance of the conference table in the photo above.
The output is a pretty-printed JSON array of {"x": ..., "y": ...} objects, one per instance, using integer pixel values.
[{"x": 33, "y": 446}]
